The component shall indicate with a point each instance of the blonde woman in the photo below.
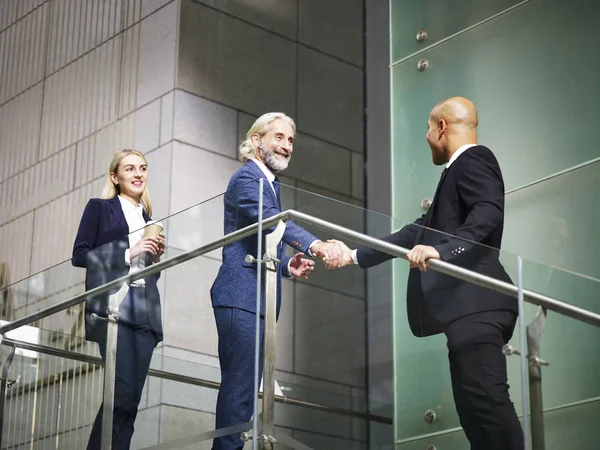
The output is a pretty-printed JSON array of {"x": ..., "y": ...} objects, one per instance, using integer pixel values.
[{"x": 110, "y": 244}]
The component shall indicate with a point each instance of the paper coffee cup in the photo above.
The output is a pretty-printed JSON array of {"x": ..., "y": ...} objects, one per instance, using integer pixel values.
[{"x": 153, "y": 229}]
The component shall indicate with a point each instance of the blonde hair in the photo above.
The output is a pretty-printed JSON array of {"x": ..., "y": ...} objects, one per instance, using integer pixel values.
[
  {"x": 111, "y": 190},
  {"x": 261, "y": 127}
]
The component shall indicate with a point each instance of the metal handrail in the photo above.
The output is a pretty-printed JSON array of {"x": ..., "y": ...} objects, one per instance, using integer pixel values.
[
  {"x": 145, "y": 272},
  {"x": 550, "y": 303},
  {"x": 553, "y": 304},
  {"x": 165, "y": 375}
]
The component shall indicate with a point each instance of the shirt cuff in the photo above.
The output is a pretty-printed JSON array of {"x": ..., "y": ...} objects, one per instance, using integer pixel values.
[
  {"x": 289, "y": 264},
  {"x": 354, "y": 257},
  {"x": 127, "y": 258},
  {"x": 309, "y": 247}
]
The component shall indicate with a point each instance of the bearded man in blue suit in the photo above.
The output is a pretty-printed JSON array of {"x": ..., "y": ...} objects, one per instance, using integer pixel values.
[{"x": 266, "y": 151}]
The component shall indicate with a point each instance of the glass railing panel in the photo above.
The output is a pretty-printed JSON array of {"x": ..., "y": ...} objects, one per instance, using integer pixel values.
[
  {"x": 570, "y": 347},
  {"x": 49, "y": 400},
  {"x": 188, "y": 322},
  {"x": 332, "y": 335},
  {"x": 328, "y": 348},
  {"x": 422, "y": 379}
]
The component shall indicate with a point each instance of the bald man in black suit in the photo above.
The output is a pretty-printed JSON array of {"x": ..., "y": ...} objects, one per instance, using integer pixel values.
[{"x": 463, "y": 226}]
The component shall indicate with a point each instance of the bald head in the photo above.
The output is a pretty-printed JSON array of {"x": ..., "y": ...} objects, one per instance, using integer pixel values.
[
  {"x": 452, "y": 123},
  {"x": 457, "y": 111}
]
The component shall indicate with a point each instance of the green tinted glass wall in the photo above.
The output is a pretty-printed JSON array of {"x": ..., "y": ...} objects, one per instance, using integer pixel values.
[{"x": 532, "y": 70}]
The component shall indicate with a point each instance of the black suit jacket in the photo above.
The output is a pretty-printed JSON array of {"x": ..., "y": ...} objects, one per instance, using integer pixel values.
[
  {"x": 100, "y": 245},
  {"x": 468, "y": 213}
]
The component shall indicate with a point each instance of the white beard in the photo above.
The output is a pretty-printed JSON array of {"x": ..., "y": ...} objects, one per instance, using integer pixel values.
[{"x": 274, "y": 162}]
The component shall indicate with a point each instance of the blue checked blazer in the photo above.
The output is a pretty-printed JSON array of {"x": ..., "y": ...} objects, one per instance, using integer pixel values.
[{"x": 235, "y": 285}]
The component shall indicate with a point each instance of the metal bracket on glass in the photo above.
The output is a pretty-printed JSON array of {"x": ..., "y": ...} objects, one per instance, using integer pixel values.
[
  {"x": 268, "y": 410},
  {"x": 266, "y": 441},
  {"x": 246, "y": 436},
  {"x": 426, "y": 203},
  {"x": 537, "y": 361},
  {"x": 510, "y": 350},
  {"x": 267, "y": 258},
  {"x": 111, "y": 316},
  {"x": 423, "y": 64},
  {"x": 110, "y": 365},
  {"x": 430, "y": 416}
]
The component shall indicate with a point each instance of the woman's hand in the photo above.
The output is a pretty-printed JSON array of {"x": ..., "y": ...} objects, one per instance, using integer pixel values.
[
  {"x": 161, "y": 248},
  {"x": 145, "y": 245}
]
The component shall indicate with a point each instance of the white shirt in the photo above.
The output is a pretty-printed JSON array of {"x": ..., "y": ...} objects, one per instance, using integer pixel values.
[
  {"x": 459, "y": 152},
  {"x": 453, "y": 158},
  {"x": 271, "y": 178},
  {"x": 135, "y": 220},
  {"x": 270, "y": 175}
]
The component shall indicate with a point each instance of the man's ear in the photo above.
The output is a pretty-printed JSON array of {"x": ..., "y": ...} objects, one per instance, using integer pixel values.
[
  {"x": 255, "y": 139},
  {"x": 442, "y": 127}
]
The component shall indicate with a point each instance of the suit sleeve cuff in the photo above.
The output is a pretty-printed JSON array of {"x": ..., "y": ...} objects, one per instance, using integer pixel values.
[
  {"x": 285, "y": 266},
  {"x": 310, "y": 246},
  {"x": 127, "y": 258}
]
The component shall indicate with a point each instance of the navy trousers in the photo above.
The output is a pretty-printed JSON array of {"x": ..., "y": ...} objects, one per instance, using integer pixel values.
[
  {"x": 135, "y": 344},
  {"x": 237, "y": 330}
]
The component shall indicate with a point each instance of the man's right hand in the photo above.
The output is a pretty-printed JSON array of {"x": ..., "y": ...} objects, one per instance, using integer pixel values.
[
  {"x": 342, "y": 257},
  {"x": 330, "y": 252}
]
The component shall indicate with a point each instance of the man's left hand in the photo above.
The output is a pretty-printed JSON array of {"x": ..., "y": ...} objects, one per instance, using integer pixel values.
[
  {"x": 300, "y": 267},
  {"x": 419, "y": 255}
]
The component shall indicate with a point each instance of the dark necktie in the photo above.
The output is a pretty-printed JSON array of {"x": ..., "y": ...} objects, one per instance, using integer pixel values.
[{"x": 443, "y": 175}]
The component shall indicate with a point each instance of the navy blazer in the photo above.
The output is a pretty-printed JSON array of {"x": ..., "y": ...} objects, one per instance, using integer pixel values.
[
  {"x": 235, "y": 285},
  {"x": 468, "y": 213},
  {"x": 100, "y": 245}
]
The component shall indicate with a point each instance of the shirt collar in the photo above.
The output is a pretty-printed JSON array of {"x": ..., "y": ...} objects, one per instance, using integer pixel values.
[
  {"x": 458, "y": 152},
  {"x": 126, "y": 204},
  {"x": 270, "y": 176}
]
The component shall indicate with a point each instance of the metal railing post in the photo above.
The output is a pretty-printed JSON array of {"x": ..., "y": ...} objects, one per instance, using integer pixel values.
[
  {"x": 534, "y": 335},
  {"x": 3, "y": 385},
  {"x": 110, "y": 365},
  {"x": 271, "y": 265},
  {"x": 523, "y": 359},
  {"x": 259, "y": 247}
]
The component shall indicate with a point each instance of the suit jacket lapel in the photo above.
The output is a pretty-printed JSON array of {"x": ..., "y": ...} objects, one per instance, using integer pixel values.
[
  {"x": 435, "y": 196},
  {"x": 117, "y": 210}
]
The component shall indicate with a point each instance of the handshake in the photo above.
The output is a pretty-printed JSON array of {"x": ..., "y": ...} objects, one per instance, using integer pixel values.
[{"x": 335, "y": 254}]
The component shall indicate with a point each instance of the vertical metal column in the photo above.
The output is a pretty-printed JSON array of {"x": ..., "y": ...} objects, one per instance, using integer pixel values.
[
  {"x": 259, "y": 238},
  {"x": 522, "y": 358},
  {"x": 534, "y": 335},
  {"x": 271, "y": 263},
  {"x": 110, "y": 365}
]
